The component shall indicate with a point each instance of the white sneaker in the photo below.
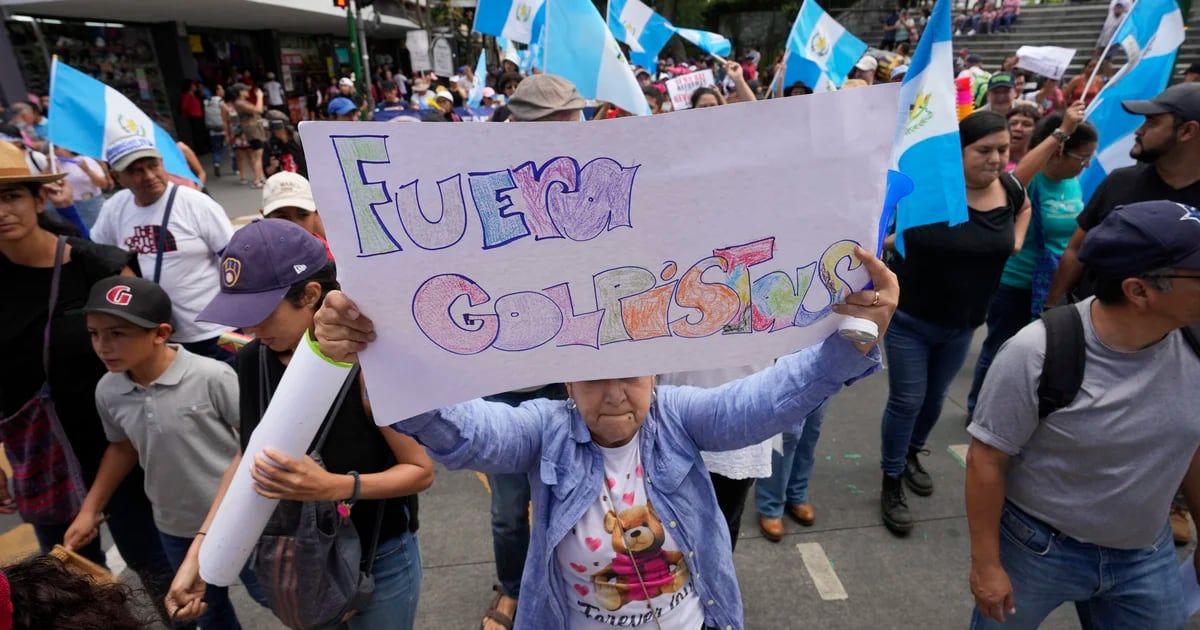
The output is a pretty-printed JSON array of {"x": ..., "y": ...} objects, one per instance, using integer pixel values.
[{"x": 971, "y": 33}]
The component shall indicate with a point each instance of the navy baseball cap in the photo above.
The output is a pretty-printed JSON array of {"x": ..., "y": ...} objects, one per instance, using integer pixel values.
[
  {"x": 341, "y": 106},
  {"x": 1142, "y": 237},
  {"x": 135, "y": 300},
  {"x": 262, "y": 261}
]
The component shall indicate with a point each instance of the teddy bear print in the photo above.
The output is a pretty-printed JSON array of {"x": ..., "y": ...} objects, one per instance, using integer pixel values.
[{"x": 641, "y": 537}]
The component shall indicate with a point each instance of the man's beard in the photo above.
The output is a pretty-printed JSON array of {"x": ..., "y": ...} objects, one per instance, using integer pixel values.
[{"x": 1150, "y": 156}]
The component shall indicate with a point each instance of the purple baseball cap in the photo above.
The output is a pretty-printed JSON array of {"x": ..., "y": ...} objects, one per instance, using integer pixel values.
[
  {"x": 262, "y": 261},
  {"x": 1142, "y": 237}
]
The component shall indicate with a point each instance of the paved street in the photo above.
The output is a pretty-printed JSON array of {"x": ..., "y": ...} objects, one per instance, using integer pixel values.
[{"x": 870, "y": 580}]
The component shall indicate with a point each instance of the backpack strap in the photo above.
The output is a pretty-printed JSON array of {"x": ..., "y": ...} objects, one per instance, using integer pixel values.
[
  {"x": 55, "y": 281},
  {"x": 370, "y": 568},
  {"x": 1066, "y": 354},
  {"x": 1014, "y": 190},
  {"x": 333, "y": 411},
  {"x": 161, "y": 238}
]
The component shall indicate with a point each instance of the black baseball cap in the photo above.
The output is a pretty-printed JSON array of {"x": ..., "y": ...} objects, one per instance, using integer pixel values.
[
  {"x": 1182, "y": 99},
  {"x": 1001, "y": 79},
  {"x": 135, "y": 300},
  {"x": 1142, "y": 237}
]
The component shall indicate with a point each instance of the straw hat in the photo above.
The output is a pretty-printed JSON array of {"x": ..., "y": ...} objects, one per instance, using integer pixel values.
[{"x": 14, "y": 169}]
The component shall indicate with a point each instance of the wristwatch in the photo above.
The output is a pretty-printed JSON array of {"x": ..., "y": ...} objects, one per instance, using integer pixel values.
[{"x": 1061, "y": 136}]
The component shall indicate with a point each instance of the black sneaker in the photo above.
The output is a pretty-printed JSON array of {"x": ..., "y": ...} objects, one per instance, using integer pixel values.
[
  {"x": 216, "y": 170},
  {"x": 915, "y": 475},
  {"x": 896, "y": 516}
]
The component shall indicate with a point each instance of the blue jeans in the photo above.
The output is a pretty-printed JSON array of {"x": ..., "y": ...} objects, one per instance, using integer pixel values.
[
  {"x": 131, "y": 523},
  {"x": 923, "y": 359},
  {"x": 217, "y": 140},
  {"x": 220, "y": 614},
  {"x": 1111, "y": 588},
  {"x": 510, "y": 529},
  {"x": 790, "y": 471},
  {"x": 1008, "y": 313},
  {"x": 397, "y": 587}
]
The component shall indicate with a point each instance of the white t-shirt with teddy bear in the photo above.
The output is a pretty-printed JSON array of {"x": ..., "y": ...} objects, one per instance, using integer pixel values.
[{"x": 601, "y": 577}]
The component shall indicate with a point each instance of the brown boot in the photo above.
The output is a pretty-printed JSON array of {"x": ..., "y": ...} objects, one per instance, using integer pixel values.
[
  {"x": 1181, "y": 525},
  {"x": 772, "y": 528},
  {"x": 803, "y": 513}
]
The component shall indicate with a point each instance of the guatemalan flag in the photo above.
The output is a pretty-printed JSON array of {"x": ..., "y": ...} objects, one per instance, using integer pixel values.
[
  {"x": 712, "y": 43},
  {"x": 475, "y": 97},
  {"x": 926, "y": 147},
  {"x": 1150, "y": 35},
  {"x": 579, "y": 47},
  {"x": 639, "y": 27},
  {"x": 510, "y": 19},
  {"x": 87, "y": 117},
  {"x": 820, "y": 51}
]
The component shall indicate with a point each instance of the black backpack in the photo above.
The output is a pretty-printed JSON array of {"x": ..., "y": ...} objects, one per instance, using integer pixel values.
[{"x": 1066, "y": 356}]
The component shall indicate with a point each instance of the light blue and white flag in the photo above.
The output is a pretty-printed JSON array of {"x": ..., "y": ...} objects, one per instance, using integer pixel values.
[
  {"x": 1150, "y": 35},
  {"x": 475, "y": 97},
  {"x": 639, "y": 27},
  {"x": 926, "y": 147},
  {"x": 821, "y": 52},
  {"x": 87, "y": 117},
  {"x": 712, "y": 43},
  {"x": 579, "y": 47},
  {"x": 510, "y": 19}
]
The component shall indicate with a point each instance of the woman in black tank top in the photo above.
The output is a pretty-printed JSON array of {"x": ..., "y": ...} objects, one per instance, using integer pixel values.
[{"x": 947, "y": 276}]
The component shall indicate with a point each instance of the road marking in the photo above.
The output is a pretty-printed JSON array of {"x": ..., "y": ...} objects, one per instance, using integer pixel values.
[
  {"x": 483, "y": 480},
  {"x": 820, "y": 569},
  {"x": 959, "y": 451},
  {"x": 115, "y": 562}
]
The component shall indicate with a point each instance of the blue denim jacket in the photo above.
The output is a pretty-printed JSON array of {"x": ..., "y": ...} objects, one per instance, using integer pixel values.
[{"x": 550, "y": 442}]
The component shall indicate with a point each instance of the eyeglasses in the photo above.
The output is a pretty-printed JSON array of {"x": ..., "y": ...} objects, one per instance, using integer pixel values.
[{"x": 1084, "y": 160}]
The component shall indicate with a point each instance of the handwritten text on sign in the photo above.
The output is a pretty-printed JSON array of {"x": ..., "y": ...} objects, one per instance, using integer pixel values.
[
  {"x": 555, "y": 252},
  {"x": 680, "y": 88}
]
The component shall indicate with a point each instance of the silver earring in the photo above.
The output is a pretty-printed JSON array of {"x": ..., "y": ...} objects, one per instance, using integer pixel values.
[{"x": 571, "y": 404}]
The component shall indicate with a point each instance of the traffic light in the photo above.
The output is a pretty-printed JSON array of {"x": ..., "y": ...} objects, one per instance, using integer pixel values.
[{"x": 341, "y": 4}]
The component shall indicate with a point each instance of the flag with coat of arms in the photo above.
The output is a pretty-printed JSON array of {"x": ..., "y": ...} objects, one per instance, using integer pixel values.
[
  {"x": 1150, "y": 34},
  {"x": 639, "y": 27},
  {"x": 821, "y": 52},
  {"x": 511, "y": 19},
  {"x": 926, "y": 147},
  {"x": 88, "y": 117}
]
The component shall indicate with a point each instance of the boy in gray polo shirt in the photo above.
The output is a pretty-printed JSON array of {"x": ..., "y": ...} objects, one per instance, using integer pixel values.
[{"x": 173, "y": 411}]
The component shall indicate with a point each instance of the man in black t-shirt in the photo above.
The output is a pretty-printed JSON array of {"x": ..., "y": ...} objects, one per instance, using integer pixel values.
[{"x": 1167, "y": 148}]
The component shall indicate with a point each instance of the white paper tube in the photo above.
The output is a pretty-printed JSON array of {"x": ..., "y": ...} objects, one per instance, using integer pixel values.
[{"x": 308, "y": 389}]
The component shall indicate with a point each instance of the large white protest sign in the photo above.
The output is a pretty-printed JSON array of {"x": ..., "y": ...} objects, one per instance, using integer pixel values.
[
  {"x": 1048, "y": 61},
  {"x": 556, "y": 252},
  {"x": 680, "y": 88},
  {"x": 417, "y": 43},
  {"x": 443, "y": 57}
]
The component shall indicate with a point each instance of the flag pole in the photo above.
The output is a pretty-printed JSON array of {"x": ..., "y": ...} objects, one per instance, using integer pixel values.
[
  {"x": 50, "y": 143},
  {"x": 1087, "y": 86}
]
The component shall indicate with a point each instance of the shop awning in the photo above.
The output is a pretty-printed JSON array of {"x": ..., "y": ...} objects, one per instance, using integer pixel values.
[{"x": 289, "y": 16}]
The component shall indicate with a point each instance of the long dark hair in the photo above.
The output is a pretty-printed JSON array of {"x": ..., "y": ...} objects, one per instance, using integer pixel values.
[
  {"x": 48, "y": 222},
  {"x": 46, "y": 594},
  {"x": 701, "y": 92},
  {"x": 1085, "y": 133},
  {"x": 980, "y": 125}
]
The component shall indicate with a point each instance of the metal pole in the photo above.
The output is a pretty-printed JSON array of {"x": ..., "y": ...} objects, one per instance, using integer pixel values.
[
  {"x": 364, "y": 54},
  {"x": 355, "y": 61}
]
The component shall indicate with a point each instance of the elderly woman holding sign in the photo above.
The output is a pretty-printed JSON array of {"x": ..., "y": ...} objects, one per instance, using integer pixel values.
[{"x": 626, "y": 526}]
